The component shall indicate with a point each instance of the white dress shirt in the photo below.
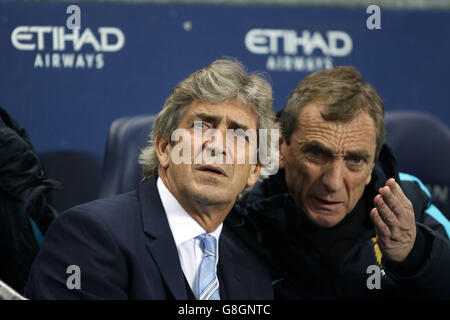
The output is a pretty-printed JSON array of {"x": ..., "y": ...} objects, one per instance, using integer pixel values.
[{"x": 184, "y": 230}]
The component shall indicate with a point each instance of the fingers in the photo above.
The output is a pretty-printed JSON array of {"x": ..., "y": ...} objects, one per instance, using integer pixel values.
[
  {"x": 386, "y": 214},
  {"x": 394, "y": 209},
  {"x": 389, "y": 197},
  {"x": 381, "y": 228},
  {"x": 395, "y": 189},
  {"x": 393, "y": 196}
]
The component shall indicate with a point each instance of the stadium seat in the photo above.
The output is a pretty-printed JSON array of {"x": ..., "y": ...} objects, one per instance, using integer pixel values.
[
  {"x": 121, "y": 171},
  {"x": 421, "y": 144}
]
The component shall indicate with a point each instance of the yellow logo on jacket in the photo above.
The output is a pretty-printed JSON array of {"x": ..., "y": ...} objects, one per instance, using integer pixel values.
[{"x": 377, "y": 250}]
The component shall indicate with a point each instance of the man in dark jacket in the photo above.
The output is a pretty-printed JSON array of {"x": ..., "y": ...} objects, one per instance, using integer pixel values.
[
  {"x": 25, "y": 214},
  {"x": 339, "y": 221}
]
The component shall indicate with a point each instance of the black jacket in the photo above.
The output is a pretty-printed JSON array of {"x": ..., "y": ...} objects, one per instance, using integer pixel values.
[
  {"x": 24, "y": 212},
  {"x": 308, "y": 262}
]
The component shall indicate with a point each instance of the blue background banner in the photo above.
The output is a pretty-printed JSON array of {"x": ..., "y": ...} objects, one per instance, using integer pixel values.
[{"x": 66, "y": 87}]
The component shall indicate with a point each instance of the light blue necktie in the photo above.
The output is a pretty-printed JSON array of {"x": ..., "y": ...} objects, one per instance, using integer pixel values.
[{"x": 208, "y": 284}]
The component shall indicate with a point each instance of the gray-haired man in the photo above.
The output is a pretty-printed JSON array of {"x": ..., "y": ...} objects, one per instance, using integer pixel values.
[{"x": 166, "y": 240}]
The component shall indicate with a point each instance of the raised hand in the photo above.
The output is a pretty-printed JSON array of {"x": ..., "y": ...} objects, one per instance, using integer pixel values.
[{"x": 393, "y": 218}]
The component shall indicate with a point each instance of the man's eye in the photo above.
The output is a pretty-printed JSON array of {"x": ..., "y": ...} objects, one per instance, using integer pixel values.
[
  {"x": 356, "y": 160},
  {"x": 355, "y": 163},
  {"x": 200, "y": 125},
  {"x": 317, "y": 156}
]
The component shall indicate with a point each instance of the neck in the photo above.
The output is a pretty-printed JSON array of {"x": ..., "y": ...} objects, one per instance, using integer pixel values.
[{"x": 208, "y": 215}]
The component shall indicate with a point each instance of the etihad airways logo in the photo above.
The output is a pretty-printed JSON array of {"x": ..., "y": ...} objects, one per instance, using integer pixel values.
[
  {"x": 289, "y": 50},
  {"x": 58, "y": 47}
]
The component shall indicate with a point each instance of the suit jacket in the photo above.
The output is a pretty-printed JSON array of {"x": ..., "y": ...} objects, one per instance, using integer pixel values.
[{"x": 124, "y": 249}]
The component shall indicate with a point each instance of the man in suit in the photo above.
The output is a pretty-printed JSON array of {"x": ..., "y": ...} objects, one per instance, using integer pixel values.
[{"x": 166, "y": 240}]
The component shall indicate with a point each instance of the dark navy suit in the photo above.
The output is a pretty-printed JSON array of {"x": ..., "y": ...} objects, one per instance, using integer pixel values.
[{"x": 125, "y": 250}]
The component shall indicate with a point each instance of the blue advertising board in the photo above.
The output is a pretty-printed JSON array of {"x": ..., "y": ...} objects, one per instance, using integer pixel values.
[{"x": 67, "y": 86}]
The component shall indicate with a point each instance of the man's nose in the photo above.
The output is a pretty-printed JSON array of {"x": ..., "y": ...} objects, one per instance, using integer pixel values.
[
  {"x": 214, "y": 141},
  {"x": 333, "y": 176}
]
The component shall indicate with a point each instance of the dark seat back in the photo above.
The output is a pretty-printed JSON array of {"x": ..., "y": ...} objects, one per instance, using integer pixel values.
[
  {"x": 421, "y": 144},
  {"x": 121, "y": 171}
]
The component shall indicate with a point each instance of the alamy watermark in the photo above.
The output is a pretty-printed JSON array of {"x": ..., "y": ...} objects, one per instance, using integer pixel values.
[
  {"x": 374, "y": 280},
  {"x": 374, "y": 20},
  {"x": 74, "y": 20},
  {"x": 74, "y": 280}
]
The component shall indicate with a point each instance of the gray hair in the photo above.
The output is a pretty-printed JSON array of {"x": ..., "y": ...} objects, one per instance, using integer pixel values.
[{"x": 222, "y": 80}]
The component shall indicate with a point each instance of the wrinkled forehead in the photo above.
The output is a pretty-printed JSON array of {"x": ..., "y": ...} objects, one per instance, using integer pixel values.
[
  {"x": 233, "y": 112},
  {"x": 340, "y": 136}
]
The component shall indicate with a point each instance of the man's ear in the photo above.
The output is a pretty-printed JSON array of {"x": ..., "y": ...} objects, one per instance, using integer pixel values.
[
  {"x": 163, "y": 149},
  {"x": 283, "y": 150},
  {"x": 255, "y": 170}
]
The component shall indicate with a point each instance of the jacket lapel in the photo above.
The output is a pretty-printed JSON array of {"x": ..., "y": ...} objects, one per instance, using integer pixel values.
[
  {"x": 160, "y": 242},
  {"x": 230, "y": 271}
]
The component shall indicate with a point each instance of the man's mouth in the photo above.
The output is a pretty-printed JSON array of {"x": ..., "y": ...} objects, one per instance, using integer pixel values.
[
  {"x": 326, "y": 204},
  {"x": 213, "y": 170}
]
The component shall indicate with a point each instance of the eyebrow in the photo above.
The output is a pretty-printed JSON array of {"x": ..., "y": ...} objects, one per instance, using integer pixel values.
[
  {"x": 236, "y": 125},
  {"x": 216, "y": 119},
  {"x": 204, "y": 117},
  {"x": 317, "y": 145},
  {"x": 359, "y": 153}
]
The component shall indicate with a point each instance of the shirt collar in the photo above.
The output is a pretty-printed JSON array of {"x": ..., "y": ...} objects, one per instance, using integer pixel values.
[{"x": 182, "y": 225}]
